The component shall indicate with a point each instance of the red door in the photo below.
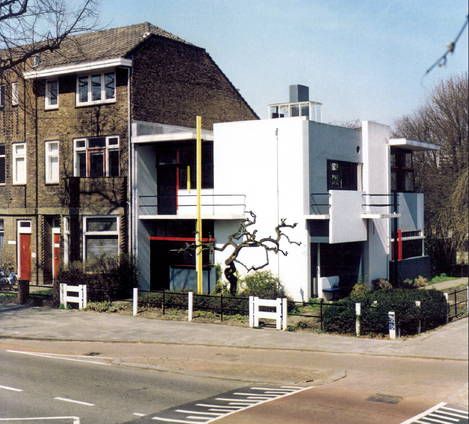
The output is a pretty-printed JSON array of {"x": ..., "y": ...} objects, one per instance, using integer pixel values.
[
  {"x": 25, "y": 257},
  {"x": 56, "y": 255}
]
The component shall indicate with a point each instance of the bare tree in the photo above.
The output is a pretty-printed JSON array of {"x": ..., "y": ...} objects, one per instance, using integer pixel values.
[
  {"x": 246, "y": 237},
  {"x": 30, "y": 27},
  {"x": 443, "y": 175}
]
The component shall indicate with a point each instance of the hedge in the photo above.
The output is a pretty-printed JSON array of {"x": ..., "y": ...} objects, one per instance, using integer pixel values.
[{"x": 376, "y": 305}]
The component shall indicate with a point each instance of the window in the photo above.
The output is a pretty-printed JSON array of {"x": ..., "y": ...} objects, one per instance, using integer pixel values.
[
  {"x": 96, "y": 88},
  {"x": 97, "y": 157},
  {"x": 2, "y": 96},
  {"x": 2, "y": 164},
  {"x": 341, "y": 175},
  {"x": 402, "y": 172},
  {"x": 19, "y": 163},
  {"x": 101, "y": 236},
  {"x": 52, "y": 94},
  {"x": 52, "y": 162},
  {"x": 66, "y": 254},
  {"x": 14, "y": 94}
]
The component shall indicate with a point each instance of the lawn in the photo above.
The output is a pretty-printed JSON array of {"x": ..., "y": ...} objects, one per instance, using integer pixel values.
[{"x": 441, "y": 278}]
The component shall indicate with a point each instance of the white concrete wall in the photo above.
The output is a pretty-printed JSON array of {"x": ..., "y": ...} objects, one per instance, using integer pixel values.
[
  {"x": 411, "y": 210},
  {"x": 376, "y": 179},
  {"x": 345, "y": 222},
  {"x": 268, "y": 161}
]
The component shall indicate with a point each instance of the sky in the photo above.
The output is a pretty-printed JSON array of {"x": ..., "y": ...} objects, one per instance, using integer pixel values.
[{"x": 363, "y": 59}]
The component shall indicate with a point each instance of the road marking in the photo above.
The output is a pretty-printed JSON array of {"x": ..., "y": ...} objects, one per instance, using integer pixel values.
[
  {"x": 440, "y": 414},
  {"x": 11, "y": 388},
  {"x": 139, "y": 414},
  {"x": 79, "y": 402},
  {"x": 226, "y": 404},
  {"x": 76, "y": 420},
  {"x": 56, "y": 356}
]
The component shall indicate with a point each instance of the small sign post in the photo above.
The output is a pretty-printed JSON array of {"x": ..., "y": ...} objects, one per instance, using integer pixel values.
[
  {"x": 358, "y": 312},
  {"x": 418, "y": 304},
  {"x": 135, "y": 302},
  {"x": 392, "y": 325}
]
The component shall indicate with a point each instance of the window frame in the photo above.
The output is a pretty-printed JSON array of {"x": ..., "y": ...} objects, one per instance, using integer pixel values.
[
  {"x": 86, "y": 233},
  {"x": 47, "y": 104},
  {"x": 2, "y": 95},
  {"x": 89, "y": 100},
  {"x": 2, "y": 233},
  {"x": 106, "y": 149},
  {"x": 15, "y": 156},
  {"x": 4, "y": 157},
  {"x": 15, "y": 97},
  {"x": 344, "y": 171},
  {"x": 47, "y": 156}
]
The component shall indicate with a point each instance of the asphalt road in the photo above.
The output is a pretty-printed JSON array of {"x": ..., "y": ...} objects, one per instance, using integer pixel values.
[{"x": 109, "y": 394}]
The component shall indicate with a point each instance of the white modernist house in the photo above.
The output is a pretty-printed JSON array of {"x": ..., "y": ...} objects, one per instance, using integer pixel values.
[{"x": 350, "y": 191}]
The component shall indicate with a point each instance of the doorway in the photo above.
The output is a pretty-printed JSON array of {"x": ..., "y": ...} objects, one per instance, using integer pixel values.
[{"x": 24, "y": 250}]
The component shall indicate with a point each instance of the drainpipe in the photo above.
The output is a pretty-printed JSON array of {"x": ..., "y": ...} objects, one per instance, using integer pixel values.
[
  {"x": 130, "y": 223},
  {"x": 36, "y": 141},
  {"x": 395, "y": 262}
]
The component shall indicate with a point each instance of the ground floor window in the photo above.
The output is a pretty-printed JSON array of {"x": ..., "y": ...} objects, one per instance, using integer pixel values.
[
  {"x": 2, "y": 234},
  {"x": 101, "y": 239}
]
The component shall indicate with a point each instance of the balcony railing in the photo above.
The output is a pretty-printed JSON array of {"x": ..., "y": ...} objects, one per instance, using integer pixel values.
[{"x": 184, "y": 205}]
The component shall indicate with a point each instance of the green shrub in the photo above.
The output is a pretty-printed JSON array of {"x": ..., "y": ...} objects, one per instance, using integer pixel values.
[
  {"x": 377, "y": 304},
  {"x": 262, "y": 284},
  {"x": 382, "y": 284},
  {"x": 359, "y": 292}
]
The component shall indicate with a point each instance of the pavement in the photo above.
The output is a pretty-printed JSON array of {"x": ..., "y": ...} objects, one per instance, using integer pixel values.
[
  {"x": 447, "y": 342},
  {"x": 446, "y": 285}
]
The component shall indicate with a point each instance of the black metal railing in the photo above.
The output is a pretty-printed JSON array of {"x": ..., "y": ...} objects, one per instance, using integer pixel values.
[
  {"x": 320, "y": 203},
  {"x": 457, "y": 304}
]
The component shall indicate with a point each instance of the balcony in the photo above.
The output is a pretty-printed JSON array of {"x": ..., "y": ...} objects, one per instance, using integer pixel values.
[
  {"x": 99, "y": 195},
  {"x": 184, "y": 206}
]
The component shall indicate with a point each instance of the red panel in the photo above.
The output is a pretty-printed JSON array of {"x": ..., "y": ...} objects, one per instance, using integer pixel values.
[
  {"x": 25, "y": 257},
  {"x": 399, "y": 245},
  {"x": 56, "y": 255}
]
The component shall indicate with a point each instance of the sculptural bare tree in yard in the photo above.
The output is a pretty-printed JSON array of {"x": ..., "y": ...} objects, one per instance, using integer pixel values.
[{"x": 31, "y": 27}]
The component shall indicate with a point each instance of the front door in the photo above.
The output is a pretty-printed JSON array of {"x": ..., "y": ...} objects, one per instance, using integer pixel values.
[
  {"x": 55, "y": 253},
  {"x": 24, "y": 250}
]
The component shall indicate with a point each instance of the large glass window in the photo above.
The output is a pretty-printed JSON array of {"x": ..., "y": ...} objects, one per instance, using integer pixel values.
[
  {"x": 2, "y": 95},
  {"x": 101, "y": 239},
  {"x": 97, "y": 157},
  {"x": 52, "y": 94},
  {"x": 52, "y": 162},
  {"x": 341, "y": 175},
  {"x": 2, "y": 164},
  {"x": 402, "y": 172},
  {"x": 96, "y": 88},
  {"x": 14, "y": 94},
  {"x": 19, "y": 163}
]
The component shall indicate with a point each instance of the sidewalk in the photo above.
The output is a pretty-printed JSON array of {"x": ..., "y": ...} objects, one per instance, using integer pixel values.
[
  {"x": 447, "y": 342},
  {"x": 446, "y": 285}
]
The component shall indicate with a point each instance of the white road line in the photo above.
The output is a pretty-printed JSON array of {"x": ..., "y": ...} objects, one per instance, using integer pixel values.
[
  {"x": 220, "y": 409},
  {"x": 139, "y": 414},
  {"x": 172, "y": 420},
  {"x": 433, "y": 420},
  {"x": 455, "y": 410},
  {"x": 422, "y": 415},
  {"x": 11, "y": 388},
  {"x": 254, "y": 394},
  {"x": 201, "y": 419},
  {"x": 49, "y": 356},
  {"x": 76, "y": 420},
  {"x": 79, "y": 402},
  {"x": 217, "y": 406},
  {"x": 438, "y": 415},
  {"x": 188, "y": 411},
  {"x": 236, "y": 400},
  {"x": 272, "y": 389},
  {"x": 452, "y": 414}
]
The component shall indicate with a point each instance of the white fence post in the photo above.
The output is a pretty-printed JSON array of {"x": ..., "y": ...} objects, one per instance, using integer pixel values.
[
  {"x": 85, "y": 296},
  {"x": 447, "y": 307},
  {"x": 135, "y": 302},
  {"x": 62, "y": 294},
  {"x": 190, "y": 305},
  {"x": 256, "y": 310},
  {"x": 278, "y": 309},
  {"x": 358, "y": 312},
  {"x": 418, "y": 304},
  {"x": 284, "y": 313},
  {"x": 392, "y": 325},
  {"x": 251, "y": 311},
  {"x": 467, "y": 300}
]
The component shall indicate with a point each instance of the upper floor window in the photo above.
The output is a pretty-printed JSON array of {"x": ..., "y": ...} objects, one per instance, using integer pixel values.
[
  {"x": 96, "y": 157},
  {"x": 52, "y": 162},
  {"x": 52, "y": 94},
  {"x": 342, "y": 175},
  {"x": 19, "y": 163},
  {"x": 2, "y": 164},
  {"x": 2, "y": 95},
  {"x": 14, "y": 94},
  {"x": 96, "y": 88},
  {"x": 402, "y": 171}
]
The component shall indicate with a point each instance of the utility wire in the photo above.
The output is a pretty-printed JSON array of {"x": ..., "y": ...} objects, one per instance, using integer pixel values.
[{"x": 441, "y": 61}]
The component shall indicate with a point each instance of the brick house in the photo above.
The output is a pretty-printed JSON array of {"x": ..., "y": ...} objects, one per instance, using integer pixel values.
[{"x": 66, "y": 121}]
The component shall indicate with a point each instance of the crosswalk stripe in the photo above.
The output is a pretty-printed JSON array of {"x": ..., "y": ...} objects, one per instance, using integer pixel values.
[
  {"x": 437, "y": 415},
  {"x": 218, "y": 406},
  {"x": 172, "y": 420},
  {"x": 465, "y": 413},
  {"x": 452, "y": 414},
  {"x": 433, "y": 420},
  {"x": 187, "y": 411}
]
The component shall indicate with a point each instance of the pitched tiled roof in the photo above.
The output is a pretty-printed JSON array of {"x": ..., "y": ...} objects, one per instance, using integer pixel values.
[{"x": 100, "y": 45}]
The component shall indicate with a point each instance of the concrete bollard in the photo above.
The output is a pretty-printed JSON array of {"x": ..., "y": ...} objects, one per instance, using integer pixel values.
[
  {"x": 135, "y": 302},
  {"x": 358, "y": 313},
  {"x": 190, "y": 305},
  {"x": 447, "y": 307},
  {"x": 251, "y": 311},
  {"x": 284, "y": 313},
  {"x": 418, "y": 304}
]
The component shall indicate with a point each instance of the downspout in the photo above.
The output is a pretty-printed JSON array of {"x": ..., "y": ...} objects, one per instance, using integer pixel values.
[
  {"x": 36, "y": 137},
  {"x": 130, "y": 178}
]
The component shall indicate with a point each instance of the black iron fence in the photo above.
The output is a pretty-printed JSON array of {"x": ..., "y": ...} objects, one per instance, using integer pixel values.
[
  {"x": 457, "y": 303},
  {"x": 309, "y": 314}
]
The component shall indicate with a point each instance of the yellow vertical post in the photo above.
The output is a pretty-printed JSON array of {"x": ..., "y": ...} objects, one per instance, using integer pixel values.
[{"x": 198, "y": 226}]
